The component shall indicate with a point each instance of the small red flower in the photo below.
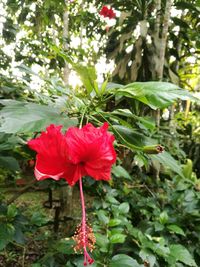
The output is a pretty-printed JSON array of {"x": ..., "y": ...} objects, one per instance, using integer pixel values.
[
  {"x": 107, "y": 12},
  {"x": 78, "y": 152}
]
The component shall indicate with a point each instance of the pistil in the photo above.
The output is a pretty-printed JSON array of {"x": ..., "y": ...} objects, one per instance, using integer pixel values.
[{"x": 84, "y": 236}]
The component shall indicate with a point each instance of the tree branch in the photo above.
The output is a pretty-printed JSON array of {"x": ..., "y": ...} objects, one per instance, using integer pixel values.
[{"x": 158, "y": 17}]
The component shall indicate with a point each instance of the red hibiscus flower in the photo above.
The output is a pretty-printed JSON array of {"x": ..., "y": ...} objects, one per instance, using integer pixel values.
[
  {"x": 78, "y": 152},
  {"x": 107, "y": 12}
]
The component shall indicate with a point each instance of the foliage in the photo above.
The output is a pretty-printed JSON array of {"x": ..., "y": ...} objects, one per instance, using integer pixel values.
[
  {"x": 14, "y": 225},
  {"x": 148, "y": 214},
  {"x": 135, "y": 221}
]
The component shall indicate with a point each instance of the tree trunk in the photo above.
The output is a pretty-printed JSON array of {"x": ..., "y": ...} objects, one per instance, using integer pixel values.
[
  {"x": 158, "y": 47},
  {"x": 66, "y": 71},
  {"x": 66, "y": 194},
  {"x": 159, "y": 41}
]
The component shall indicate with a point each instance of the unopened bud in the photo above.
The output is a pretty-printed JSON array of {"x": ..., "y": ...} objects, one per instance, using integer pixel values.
[{"x": 156, "y": 149}]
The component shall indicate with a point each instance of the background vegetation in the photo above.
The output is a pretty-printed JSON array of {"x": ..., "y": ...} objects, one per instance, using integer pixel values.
[{"x": 61, "y": 62}]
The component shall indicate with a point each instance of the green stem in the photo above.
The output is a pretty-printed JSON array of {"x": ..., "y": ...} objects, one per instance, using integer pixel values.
[{"x": 81, "y": 121}]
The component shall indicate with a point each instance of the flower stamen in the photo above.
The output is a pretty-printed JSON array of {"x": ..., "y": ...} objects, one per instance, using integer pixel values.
[{"x": 84, "y": 237}]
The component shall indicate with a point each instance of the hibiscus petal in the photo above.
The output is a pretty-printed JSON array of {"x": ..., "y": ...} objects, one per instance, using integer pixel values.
[
  {"x": 76, "y": 142},
  {"x": 49, "y": 167},
  {"x": 73, "y": 173},
  {"x": 102, "y": 173},
  {"x": 47, "y": 141},
  {"x": 51, "y": 147},
  {"x": 41, "y": 176},
  {"x": 93, "y": 148},
  {"x": 99, "y": 166}
]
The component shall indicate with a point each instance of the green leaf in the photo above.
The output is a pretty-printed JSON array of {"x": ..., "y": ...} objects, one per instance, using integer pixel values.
[
  {"x": 146, "y": 123},
  {"x": 7, "y": 232},
  {"x": 88, "y": 76},
  {"x": 187, "y": 169},
  {"x": 65, "y": 246},
  {"x": 124, "y": 208},
  {"x": 9, "y": 163},
  {"x": 19, "y": 235},
  {"x": 175, "y": 229},
  {"x": 146, "y": 255},
  {"x": 123, "y": 112},
  {"x": 140, "y": 160},
  {"x": 102, "y": 242},
  {"x": 95, "y": 87},
  {"x": 157, "y": 245},
  {"x": 114, "y": 222},
  {"x": 163, "y": 218},
  {"x": 185, "y": 5},
  {"x": 154, "y": 94},
  {"x": 158, "y": 226},
  {"x": 7, "y": 141},
  {"x": 103, "y": 87},
  {"x": 112, "y": 200},
  {"x": 30, "y": 117},
  {"x": 79, "y": 263},
  {"x": 198, "y": 3},
  {"x": 117, "y": 238},
  {"x": 69, "y": 264},
  {"x": 27, "y": 70},
  {"x": 120, "y": 172},
  {"x": 102, "y": 216},
  {"x": 12, "y": 211},
  {"x": 168, "y": 161},
  {"x": 180, "y": 22},
  {"x": 143, "y": 122},
  {"x": 122, "y": 260},
  {"x": 180, "y": 253},
  {"x": 113, "y": 86},
  {"x": 38, "y": 218},
  {"x": 129, "y": 136}
]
